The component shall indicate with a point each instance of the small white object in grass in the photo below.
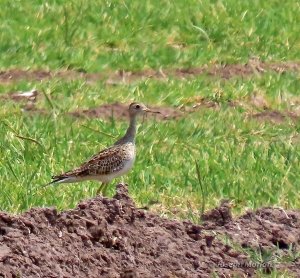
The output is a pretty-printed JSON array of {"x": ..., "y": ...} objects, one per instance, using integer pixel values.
[{"x": 27, "y": 94}]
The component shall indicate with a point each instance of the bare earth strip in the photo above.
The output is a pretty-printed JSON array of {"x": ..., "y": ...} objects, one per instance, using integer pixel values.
[
  {"x": 119, "y": 110},
  {"x": 122, "y": 76}
]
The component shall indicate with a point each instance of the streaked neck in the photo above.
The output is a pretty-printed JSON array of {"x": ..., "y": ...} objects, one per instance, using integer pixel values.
[{"x": 130, "y": 133}]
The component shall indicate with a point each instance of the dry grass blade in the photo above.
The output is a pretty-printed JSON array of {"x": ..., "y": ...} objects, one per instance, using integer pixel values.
[
  {"x": 30, "y": 139},
  {"x": 99, "y": 131},
  {"x": 203, "y": 191}
]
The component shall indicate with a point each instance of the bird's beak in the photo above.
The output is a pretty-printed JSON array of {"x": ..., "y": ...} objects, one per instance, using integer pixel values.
[{"x": 151, "y": 111}]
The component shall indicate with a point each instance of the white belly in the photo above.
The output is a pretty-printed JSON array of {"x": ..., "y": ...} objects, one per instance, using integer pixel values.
[{"x": 107, "y": 178}]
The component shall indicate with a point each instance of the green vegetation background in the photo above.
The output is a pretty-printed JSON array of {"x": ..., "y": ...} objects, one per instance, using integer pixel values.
[{"x": 254, "y": 163}]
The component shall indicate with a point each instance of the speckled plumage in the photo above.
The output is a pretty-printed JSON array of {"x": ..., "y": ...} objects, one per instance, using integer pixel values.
[
  {"x": 101, "y": 166},
  {"x": 111, "y": 162}
]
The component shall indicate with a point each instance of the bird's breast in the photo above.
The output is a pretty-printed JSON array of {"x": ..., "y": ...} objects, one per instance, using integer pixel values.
[{"x": 128, "y": 151}]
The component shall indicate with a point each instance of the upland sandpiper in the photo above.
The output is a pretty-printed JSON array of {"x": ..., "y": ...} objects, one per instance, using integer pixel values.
[{"x": 112, "y": 162}]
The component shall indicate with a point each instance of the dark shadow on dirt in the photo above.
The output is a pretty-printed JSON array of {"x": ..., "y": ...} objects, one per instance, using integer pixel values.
[
  {"x": 122, "y": 76},
  {"x": 112, "y": 238}
]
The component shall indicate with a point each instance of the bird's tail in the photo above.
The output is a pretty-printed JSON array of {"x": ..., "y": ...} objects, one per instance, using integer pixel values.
[{"x": 59, "y": 179}]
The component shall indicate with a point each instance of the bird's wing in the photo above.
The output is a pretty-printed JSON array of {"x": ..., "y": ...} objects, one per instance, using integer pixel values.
[{"x": 106, "y": 162}]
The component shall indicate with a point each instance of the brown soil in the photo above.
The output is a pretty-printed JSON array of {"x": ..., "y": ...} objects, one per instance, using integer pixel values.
[
  {"x": 120, "y": 111},
  {"x": 275, "y": 116},
  {"x": 271, "y": 231},
  {"x": 112, "y": 238},
  {"x": 122, "y": 76}
]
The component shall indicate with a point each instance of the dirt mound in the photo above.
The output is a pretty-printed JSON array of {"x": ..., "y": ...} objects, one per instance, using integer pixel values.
[
  {"x": 273, "y": 233},
  {"x": 112, "y": 238},
  {"x": 109, "y": 238}
]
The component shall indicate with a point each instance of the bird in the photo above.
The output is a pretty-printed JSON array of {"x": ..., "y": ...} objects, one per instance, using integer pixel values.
[{"x": 111, "y": 162}]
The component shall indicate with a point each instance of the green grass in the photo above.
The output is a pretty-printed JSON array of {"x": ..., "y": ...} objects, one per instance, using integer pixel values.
[
  {"x": 253, "y": 163},
  {"x": 100, "y": 35},
  {"x": 266, "y": 261}
]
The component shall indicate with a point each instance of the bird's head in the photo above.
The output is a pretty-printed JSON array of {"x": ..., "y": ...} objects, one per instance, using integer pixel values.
[{"x": 136, "y": 108}]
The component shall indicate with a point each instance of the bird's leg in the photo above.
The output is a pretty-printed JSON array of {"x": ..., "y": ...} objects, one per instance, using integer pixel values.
[
  {"x": 104, "y": 189},
  {"x": 100, "y": 189}
]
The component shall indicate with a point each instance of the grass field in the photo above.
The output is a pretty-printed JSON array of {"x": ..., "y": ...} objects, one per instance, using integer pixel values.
[
  {"x": 254, "y": 163},
  {"x": 100, "y": 35}
]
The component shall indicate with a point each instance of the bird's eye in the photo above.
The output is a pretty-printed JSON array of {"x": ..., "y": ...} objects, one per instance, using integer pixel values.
[{"x": 137, "y": 106}]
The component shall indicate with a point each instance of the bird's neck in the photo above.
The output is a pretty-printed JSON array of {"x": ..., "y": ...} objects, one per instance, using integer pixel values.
[{"x": 130, "y": 133}]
